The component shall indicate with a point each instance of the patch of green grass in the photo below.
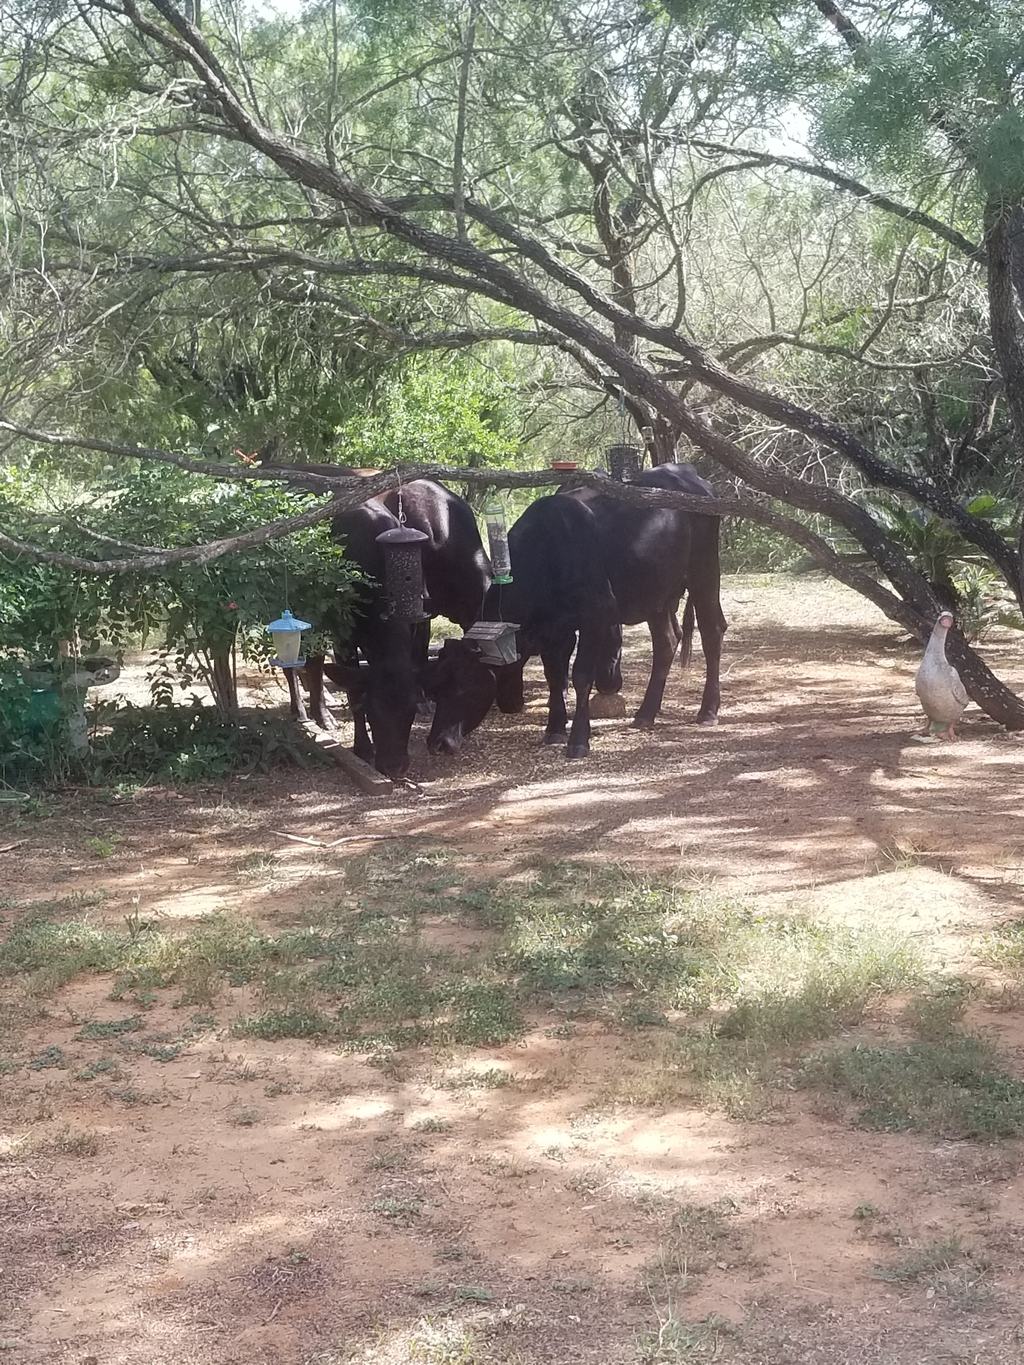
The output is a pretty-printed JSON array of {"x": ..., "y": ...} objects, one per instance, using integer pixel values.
[
  {"x": 935, "y": 1011},
  {"x": 921, "y": 1262},
  {"x": 698, "y": 1236},
  {"x": 677, "y": 1342},
  {"x": 430, "y": 1124},
  {"x": 111, "y": 1028},
  {"x": 397, "y": 1209},
  {"x": 950, "y": 1270},
  {"x": 105, "y": 1066},
  {"x": 295, "y": 1021},
  {"x": 46, "y": 954},
  {"x": 958, "y": 1087},
  {"x": 69, "y": 1141},
  {"x": 588, "y": 941},
  {"x": 843, "y": 976},
  {"x": 52, "y": 1056},
  {"x": 1005, "y": 947},
  {"x": 490, "y": 1078},
  {"x": 258, "y": 866},
  {"x": 103, "y": 847}
]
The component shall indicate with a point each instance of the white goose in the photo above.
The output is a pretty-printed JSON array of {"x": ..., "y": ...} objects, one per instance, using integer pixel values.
[{"x": 938, "y": 684}]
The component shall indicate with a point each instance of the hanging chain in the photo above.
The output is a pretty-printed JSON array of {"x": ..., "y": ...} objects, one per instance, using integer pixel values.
[
  {"x": 401, "y": 506},
  {"x": 622, "y": 416}
]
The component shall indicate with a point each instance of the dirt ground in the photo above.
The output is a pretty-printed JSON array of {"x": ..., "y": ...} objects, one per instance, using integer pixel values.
[{"x": 186, "y": 1233}]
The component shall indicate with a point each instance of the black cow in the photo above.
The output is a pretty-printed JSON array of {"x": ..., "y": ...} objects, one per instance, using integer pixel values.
[
  {"x": 585, "y": 564},
  {"x": 383, "y": 694}
]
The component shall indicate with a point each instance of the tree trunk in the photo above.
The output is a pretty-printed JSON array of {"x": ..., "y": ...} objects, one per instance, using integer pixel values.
[
  {"x": 983, "y": 687},
  {"x": 1004, "y": 248},
  {"x": 222, "y": 685}
]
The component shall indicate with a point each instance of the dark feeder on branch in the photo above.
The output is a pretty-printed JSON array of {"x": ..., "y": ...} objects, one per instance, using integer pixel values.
[
  {"x": 624, "y": 463},
  {"x": 403, "y": 573}
]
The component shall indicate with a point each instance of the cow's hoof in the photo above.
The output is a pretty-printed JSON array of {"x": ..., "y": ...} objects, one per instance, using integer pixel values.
[
  {"x": 707, "y": 720},
  {"x": 554, "y": 737},
  {"x": 607, "y": 706},
  {"x": 643, "y": 723},
  {"x": 577, "y": 750}
]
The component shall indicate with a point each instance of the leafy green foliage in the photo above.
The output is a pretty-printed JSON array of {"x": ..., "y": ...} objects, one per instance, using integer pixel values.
[
  {"x": 145, "y": 744},
  {"x": 954, "y": 567},
  {"x": 960, "y": 1087}
]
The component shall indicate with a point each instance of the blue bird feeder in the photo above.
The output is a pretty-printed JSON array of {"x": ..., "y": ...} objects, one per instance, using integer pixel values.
[{"x": 287, "y": 633}]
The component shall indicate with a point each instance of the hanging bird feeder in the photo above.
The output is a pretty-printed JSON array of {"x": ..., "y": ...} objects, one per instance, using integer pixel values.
[
  {"x": 497, "y": 536},
  {"x": 624, "y": 463},
  {"x": 287, "y": 633},
  {"x": 403, "y": 573},
  {"x": 496, "y": 641}
]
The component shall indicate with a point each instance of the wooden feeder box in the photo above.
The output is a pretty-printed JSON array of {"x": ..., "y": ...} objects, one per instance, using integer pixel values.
[
  {"x": 623, "y": 463},
  {"x": 496, "y": 641},
  {"x": 403, "y": 573}
]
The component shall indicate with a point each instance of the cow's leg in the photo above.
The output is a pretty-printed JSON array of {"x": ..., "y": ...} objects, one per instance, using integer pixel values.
[
  {"x": 317, "y": 699},
  {"x": 362, "y": 745},
  {"x": 712, "y": 626},
  {"x": 420, "y": 656},
  {"x": 592, "y": 651},
  {"x": 296, "y": 705},
  {"x": 556, "y": 672},
  {"x": 664, "y": 642}
]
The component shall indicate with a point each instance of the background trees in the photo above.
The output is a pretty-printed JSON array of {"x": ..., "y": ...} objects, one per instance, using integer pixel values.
[{"x": 301, "y": 233}]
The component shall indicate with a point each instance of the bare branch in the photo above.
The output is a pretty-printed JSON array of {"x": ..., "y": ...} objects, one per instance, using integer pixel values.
[{"x": 974, "y": 250}]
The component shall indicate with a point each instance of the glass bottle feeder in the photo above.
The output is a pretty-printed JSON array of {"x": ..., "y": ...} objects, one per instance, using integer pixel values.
[
  {"x": 286, "y": 634},
  {"x": 497, "y": 536},
  {"x": 623, "y": 463},
  {"x": 403, "y": 573}
]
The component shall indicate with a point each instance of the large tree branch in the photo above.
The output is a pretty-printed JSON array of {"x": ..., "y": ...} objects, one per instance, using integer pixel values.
[{"x": 159, "y": 561}]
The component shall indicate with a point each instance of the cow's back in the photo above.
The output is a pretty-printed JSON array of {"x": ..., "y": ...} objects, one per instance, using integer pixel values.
[
  {"x": 646, "y": 551},
  {"x": 456, "y": 571}
]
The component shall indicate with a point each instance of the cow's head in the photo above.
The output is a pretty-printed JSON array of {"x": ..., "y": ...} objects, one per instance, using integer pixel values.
[
  {"x": 387, "y": 692},
  {"x": 391, "y": 698},
  {"x": 463, "y": 689}
]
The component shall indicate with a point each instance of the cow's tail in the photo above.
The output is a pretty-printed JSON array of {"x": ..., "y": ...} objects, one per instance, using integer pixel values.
[{"x": 686, "y": 638}]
